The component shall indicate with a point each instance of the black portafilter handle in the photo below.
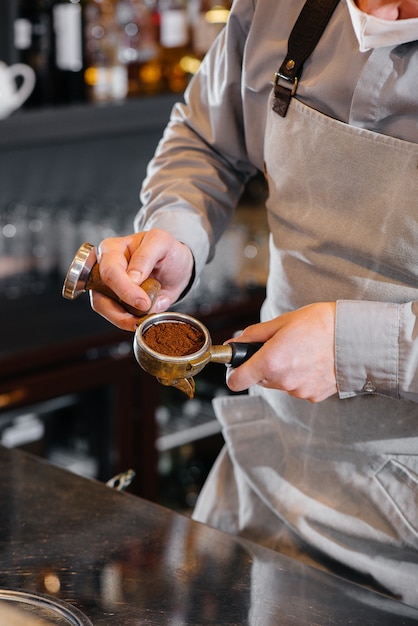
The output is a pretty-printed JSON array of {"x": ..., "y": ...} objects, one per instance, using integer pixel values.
[{"x": 241, "y": 352}]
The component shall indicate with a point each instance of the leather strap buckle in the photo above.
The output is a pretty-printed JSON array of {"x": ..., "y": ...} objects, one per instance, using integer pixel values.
[
  {"x": 288, "y": 81},
  {"x": 305, "y": 34},
  {"x": 284, "y": 90}
]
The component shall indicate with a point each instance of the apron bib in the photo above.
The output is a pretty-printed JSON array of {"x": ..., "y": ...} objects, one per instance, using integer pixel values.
[{"x": 334, "y": 484}]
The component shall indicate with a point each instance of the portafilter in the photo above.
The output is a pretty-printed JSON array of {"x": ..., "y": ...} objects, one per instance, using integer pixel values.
[{"x": 170, "y": 369}]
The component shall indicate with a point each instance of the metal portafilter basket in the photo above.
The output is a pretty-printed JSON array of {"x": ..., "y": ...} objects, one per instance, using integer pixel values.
[
  {"x": 179, "y": 371},
  {"x": 170, "y": 370}
]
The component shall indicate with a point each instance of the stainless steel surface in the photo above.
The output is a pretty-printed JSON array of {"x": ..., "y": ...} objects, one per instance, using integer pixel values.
[{"x": 123, "y": 561}]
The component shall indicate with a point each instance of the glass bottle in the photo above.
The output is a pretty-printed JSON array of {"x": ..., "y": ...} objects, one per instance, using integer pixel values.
[
  {"x": 140, "y": 49},
  {"x": 33, "y": 41},
  {"x": 175, "y": 43},
  {"x": 67, "y": 21},
  {"x": 106, "y": 75},
  {"x": 208, "y": 22}
]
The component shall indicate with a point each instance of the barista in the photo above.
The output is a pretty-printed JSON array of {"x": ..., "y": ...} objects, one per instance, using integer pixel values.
[{"x": 320, "y": 460}]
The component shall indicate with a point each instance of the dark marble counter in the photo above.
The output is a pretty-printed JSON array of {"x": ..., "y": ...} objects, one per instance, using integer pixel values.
[{"x": 119, "y": 560}]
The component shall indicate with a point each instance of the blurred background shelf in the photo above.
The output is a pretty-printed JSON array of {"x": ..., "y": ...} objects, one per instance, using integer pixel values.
[
  {"x": 77, "y": 153},
  {"x": 70, "y": 388},
  {"x": 73, "y": 375},
  {"x": 63, "y": 124}
]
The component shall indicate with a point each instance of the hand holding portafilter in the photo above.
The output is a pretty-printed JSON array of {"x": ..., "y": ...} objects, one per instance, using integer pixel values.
[{"x": 175, "y": 371}]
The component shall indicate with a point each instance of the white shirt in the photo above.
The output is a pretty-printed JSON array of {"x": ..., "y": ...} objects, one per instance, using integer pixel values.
[{"x": 373, "y": 32}]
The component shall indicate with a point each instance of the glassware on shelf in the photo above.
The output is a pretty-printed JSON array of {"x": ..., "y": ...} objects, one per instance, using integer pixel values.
[
  {"x": 42, "y": 247},
  {"x": 37, "y": 241},
  {"x": 15, "y": 258}
]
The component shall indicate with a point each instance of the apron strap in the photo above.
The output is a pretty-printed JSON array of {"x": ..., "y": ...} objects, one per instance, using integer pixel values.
[{"x": 305, "y": 34}]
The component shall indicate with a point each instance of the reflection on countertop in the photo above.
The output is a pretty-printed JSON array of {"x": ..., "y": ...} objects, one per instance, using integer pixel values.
[{"x": 121, "y": 560}]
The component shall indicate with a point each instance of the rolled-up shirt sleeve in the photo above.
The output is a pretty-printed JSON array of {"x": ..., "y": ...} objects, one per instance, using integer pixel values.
[{"x": 376, "y": 349}]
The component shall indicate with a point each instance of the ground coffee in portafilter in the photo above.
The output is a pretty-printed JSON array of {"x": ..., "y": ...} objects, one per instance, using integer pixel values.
[{"x": 174, "y": 338}]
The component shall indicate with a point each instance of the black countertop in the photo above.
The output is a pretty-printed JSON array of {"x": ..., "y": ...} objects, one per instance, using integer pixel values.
[{"x": 111, "y": 558}]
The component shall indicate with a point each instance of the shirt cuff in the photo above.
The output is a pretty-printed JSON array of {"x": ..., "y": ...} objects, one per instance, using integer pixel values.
[{"x": 367, "y": 348}]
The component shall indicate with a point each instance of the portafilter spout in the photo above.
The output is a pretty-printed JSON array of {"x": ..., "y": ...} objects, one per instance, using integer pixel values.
[{"x": 83, "y": 275}]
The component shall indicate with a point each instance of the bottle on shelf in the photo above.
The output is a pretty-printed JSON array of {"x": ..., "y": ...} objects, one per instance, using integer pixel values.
[
  {"x": 106, "y": 76},
  {"x": 33, "y": 42},
  {"x": 175, "y": 43},
  {"x": 48, "y": 36},
  {"x": 208, "y": 19},
  {"x": 68, "y": 30},
  {"x": 106, "y": 50},
  {"x": 139, "y": 46}
]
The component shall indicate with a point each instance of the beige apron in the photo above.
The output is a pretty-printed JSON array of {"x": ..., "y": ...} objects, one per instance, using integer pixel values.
[{"x": 335, "y": 483}]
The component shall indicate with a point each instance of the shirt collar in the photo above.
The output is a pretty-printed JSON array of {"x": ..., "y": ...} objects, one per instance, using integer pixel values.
[{"x": 373, "y": 32}]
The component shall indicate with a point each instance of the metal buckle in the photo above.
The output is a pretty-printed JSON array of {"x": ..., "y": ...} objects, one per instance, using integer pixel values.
[{"x": 289, "y": 81}]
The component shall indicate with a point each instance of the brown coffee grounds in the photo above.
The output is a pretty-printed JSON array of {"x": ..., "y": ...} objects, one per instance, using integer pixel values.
[{"x": 174, "y": 338}]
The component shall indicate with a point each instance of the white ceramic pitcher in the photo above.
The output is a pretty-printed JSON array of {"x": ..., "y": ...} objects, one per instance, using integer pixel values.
[{"x": 13, "y": 94}]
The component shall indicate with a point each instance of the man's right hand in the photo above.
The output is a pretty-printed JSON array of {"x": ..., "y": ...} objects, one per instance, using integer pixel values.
[{"x": 125, "y": 262}]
